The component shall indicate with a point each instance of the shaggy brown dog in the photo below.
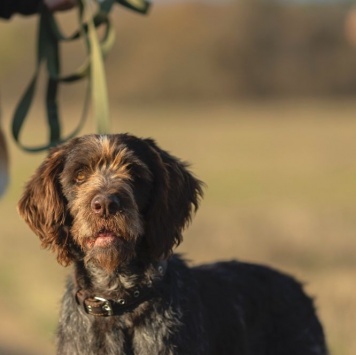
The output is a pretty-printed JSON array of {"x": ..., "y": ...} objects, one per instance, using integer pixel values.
[{"x": 115, "y": 206}]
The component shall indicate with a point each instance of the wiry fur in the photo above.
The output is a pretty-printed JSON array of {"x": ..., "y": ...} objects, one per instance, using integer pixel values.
[{"x": 116, "y": 206}]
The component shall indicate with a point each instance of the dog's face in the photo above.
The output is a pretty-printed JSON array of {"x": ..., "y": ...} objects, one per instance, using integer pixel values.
[{"x": 109, "y": 199}]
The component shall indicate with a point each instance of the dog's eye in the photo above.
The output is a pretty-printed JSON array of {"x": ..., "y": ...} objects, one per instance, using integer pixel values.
[{"x": 79, "y": 177}]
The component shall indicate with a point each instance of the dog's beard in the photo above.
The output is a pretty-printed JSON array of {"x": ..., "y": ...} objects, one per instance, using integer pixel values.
[
  {"x": 110, "y": 258},
  {"x": 108, "y": 243}
]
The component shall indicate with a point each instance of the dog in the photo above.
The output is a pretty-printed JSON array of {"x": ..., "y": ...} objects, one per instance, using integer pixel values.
[{"x": 115, "y": 206}]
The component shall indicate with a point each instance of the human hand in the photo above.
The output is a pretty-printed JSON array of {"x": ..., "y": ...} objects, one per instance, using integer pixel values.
[{"x": 60, "y": 5}]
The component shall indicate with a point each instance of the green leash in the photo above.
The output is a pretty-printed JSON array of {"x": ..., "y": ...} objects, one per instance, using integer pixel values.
[{"x": 49, "y": 37}]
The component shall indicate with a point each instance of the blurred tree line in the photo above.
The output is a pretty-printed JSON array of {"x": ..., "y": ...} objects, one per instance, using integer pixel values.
[
  {"x": 197, "y": 51},
  {"x": 248, "y": 49},
  {"x": 293, "y": 50}
]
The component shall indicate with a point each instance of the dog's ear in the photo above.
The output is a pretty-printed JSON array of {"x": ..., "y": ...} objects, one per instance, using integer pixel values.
[
  {"x": 43, "y": 205},
  {"x": 175, "y": 196}
]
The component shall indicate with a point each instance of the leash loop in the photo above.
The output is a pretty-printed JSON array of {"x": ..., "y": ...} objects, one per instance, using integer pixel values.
[{"x": 49, "y": 38}]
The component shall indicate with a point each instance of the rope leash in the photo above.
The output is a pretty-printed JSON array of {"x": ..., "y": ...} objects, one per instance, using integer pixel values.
[{"x": 49, "y": 38}]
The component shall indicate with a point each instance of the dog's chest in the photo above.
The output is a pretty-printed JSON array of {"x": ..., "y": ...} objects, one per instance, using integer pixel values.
[
  {"x": 161, "y": 325},
  {"x": 152, "y": 332}
]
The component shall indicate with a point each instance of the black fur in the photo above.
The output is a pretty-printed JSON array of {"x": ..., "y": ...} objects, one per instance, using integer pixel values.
[{"x": 125, "y": 242}]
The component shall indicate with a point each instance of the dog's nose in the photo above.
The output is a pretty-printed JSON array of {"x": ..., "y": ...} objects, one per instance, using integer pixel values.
[{"x": 105, "y": 205}]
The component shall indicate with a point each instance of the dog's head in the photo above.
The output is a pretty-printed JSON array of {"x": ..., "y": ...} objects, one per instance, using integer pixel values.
[{"x": 109, "y": 199}]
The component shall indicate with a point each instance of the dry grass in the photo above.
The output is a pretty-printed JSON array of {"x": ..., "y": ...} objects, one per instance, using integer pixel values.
[{"x": 281, "y": 190}]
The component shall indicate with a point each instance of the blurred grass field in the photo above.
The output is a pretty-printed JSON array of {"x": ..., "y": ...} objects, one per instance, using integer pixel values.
[{"x": 281, "y": 190}]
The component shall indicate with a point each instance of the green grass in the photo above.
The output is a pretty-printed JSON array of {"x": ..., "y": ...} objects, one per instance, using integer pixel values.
[{"x": 281, "y": 190}]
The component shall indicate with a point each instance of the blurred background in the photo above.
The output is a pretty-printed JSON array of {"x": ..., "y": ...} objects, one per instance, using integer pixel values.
[{"x": 260, "y": 97}]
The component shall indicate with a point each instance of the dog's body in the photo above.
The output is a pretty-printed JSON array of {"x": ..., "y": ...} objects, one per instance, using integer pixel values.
[
  {"x": 116, "y": 206},
  {"x": 226, "y": 308}
]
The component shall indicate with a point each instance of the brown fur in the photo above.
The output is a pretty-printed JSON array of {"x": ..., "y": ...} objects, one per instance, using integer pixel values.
[{"x": 57, "y": 200}]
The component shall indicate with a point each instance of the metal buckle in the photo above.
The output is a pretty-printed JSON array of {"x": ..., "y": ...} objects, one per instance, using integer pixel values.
[{"x": 106, "y": 306}]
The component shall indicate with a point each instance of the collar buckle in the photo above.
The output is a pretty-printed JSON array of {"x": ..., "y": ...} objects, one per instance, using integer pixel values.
[{"x": 105, "y": 306}]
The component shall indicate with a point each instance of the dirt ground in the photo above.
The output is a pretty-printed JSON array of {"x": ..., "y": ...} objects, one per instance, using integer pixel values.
[{"x": 281, "y": 190}]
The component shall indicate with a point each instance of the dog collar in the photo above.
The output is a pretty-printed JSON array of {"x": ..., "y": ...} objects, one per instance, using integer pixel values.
[{"x": 100, "y": 306}]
